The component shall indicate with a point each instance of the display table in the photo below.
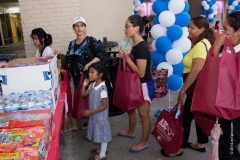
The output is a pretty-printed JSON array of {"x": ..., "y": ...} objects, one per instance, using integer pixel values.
[{"x": 54, "y": 153}]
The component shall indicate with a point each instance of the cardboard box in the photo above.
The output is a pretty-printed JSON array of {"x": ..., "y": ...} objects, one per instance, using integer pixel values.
[
  {"x": 21, "y": 144},
  {"x": 21, "y": 79}
]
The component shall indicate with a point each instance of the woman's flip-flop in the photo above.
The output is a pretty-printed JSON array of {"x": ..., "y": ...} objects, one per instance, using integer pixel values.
[
  {"x": 124, "y": 134},
  {"x": 136, "y": 150}
]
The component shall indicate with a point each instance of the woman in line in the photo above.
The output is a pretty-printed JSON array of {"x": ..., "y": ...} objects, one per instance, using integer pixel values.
[
  {"x": 230, "y": 139},
  {"x": 42, "y": 41},
  {"x": 82, "y": 52},
  {"x": 140, "y": 63},
  {"x": 202, "y": 38}
]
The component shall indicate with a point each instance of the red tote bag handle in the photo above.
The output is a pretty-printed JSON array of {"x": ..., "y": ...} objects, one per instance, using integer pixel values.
[
  {"x": 174, "y": 111},
  {"x": 123, "y": 64}
]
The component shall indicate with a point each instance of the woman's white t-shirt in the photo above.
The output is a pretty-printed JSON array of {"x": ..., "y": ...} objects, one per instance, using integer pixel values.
[{"x": 46, "y": 52}]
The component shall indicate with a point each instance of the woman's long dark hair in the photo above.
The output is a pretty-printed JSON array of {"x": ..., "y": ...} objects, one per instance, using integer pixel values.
[
  {"x": 233, "y": 20},
  {"x": 201, "y": 22},
  {"x": 41, "y": 34}
]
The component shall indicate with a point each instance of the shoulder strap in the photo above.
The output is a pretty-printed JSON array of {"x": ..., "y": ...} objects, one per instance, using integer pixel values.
[{"x": 205, "y": 46}]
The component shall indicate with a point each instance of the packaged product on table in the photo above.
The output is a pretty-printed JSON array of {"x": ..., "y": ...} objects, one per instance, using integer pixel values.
[
  {"x": 27, "y": 119},
  {"x": 24, "y": 143}
]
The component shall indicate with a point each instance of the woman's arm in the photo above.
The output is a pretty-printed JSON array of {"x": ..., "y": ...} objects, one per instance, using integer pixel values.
[
  {"x": 193, "y": 74},
  {"x": 95, "y": 59},
  {"x": 85, "y": 91},
  {"x": 140, "y": 68},
  {"x": 3, "y": 65}
]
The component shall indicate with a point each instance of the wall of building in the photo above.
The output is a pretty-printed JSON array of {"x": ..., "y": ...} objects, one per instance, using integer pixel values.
[
  {"x": 195, "y": 8},
  {"x": 104, "y": 19}
]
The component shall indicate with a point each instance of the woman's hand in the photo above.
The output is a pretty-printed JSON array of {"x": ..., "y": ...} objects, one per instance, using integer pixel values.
[
  {"x": 86, "y": 67},
  {"x": 86, "y": 82},
  {"x": 87, "y": 113},
  {"x": 57, "y": 51},
  {"x": 122, "y": 51},
  {"x": 180, "y": 97},
  {"x": 3, "y": 65}
]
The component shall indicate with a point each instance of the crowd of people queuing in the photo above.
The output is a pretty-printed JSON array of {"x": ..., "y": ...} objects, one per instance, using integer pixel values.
[{"x": 84, "y": 53}]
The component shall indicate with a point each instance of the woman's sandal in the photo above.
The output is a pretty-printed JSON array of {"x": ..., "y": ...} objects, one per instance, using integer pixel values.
[
  {"x": 97, "y": 151},
  {"x": 97, "y": 157}
]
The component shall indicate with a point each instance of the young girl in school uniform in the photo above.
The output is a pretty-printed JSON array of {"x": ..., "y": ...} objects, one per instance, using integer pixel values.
[
  {"x": 98, "y": 125},
  {"x": 65, "y": 77}
]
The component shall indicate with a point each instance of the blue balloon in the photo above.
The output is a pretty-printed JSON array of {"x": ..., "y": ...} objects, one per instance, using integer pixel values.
[
  {"x": 210, "y": 4},
  {"x": 210, "y": 11},
  {"x": 213, "y": 1},
  {"x": 230, "y": 3},
  {"x": 163, "y": 44},
  {"x": 178, "y": 69},
  {"x": 159, "y": 6},
  {"x": 186, "y": 8},
  {"x": 174, "y": 82},
  {"x": 174, "y": 32},
  {"x": 182, "y": 19},
  {"x": 141, "y": 1},
  {"x": 237, "y": 7},
  {"x": 155, "y": 20},
  {"x": 157, "y": 58},
  {"x": 135, "y": 12},
  {"x": 211, "y": 20},
  {"x": 204, "y": 12}
]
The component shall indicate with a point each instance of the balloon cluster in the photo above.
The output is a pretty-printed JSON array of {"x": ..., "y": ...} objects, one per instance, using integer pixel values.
[
  {"x": 234, "y": 5},
  {"x": 170, "y": 38},
  {"x": 137, "y": 5},
  {"x": 209, "y": 9}
]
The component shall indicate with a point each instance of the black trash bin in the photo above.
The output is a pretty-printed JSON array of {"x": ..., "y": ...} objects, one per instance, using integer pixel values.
[{"x": 112, "y": 68}]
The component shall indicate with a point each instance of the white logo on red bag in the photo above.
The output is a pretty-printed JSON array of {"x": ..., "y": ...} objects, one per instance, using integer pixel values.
[{"x": 165, "y": 131}]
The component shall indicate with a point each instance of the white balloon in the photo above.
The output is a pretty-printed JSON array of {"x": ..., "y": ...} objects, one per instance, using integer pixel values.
[
  {"x": 138, "y": 3},
  {"x": 231, "y": 7},
  {"x": 174, "y": 56},
  {"x": 154, "y": 45},
  {"x": 206, "y": 7},
  {"x": 185, "y": 32},
  {"x": 166, "y": 18},
  {"x": 183, "y": 44},
  {"x": 165, "y": 65},
  {"x": 238, "y": 0},
  {"x": 203, "y": 3},
  {"x": 215, "y": 12},
  {"x": 214, "y": 7},
  {"x": 235, "y": 3},
  {"x": 153, "y": 0},
  {"x": 135, "y": 1},
  {"x": 158, "y": 30},
  {"x": 137, "y": 8},
  {"x": 208, "y": 0},
  {"x": 176, "y": 6},
  {"x": 210, "y": 16}
]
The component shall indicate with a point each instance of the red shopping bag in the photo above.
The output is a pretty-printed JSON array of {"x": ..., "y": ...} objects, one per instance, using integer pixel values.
[
  {"x": 169, "y": 131},
  {"x": 80, "y": 104},
  {"x": 204, "y": 96},
  {"x": 128, "y": 88},
  {"x": 205, "y": 122},
  {"x": 228, "y": 89}
]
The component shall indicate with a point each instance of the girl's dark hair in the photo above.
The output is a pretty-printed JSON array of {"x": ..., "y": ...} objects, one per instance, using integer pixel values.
[
  {"x": 101, "y": 69},
  {"x": 201, "y": 22},
  {"x": 41, "y": 34},
  {"x": 137, "y": 20},
  {"x": 233, "y": 20},
  {"x": 217, "y": 22},
  {"x": 145, "y": 20}
]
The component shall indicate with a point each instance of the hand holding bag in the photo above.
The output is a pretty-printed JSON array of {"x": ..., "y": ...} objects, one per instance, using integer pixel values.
[
  {"x": 80, "y": 104},
  {"x": 169, "y": 131},
  {"x": 128, "y": 93}
]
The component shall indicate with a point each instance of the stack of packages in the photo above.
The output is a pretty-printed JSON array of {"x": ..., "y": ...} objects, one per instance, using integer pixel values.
[{"x": 27, "y": 106}]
